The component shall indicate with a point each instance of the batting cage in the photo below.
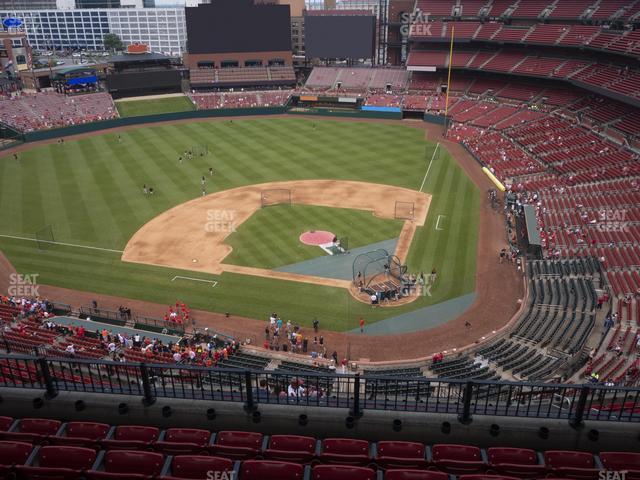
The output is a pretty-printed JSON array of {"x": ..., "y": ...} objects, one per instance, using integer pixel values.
[
  {"x": 378, "y": 271},
  {"x": 200, "y": 150},
  {"x": 44, "y": 237},
  {"x": 276, "y": 196},
  {"x": 404, "y": 210}
]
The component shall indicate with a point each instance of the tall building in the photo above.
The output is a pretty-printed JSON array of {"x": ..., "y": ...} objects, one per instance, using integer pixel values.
[
  {"x": 98, "y": 4},
  {"x": 163, "y": 29},
  {"x": 27, "y": 4}
]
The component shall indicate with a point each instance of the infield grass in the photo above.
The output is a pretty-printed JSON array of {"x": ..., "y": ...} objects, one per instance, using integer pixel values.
[
  {"x": 270, "y": 238},
  {"x": 90, "y": 191},
  {"x": 136, "y": 108}
]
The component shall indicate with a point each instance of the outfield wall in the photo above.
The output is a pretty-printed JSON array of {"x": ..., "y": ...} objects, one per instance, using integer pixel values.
[
  {"x": 198, "y": 114},
  {"x": 160, "y": 117}
]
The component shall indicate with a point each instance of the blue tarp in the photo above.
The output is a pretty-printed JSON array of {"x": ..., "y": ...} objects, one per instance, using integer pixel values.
[
  {"x": 82, "y": 80},
  {"x": 382, "y": 109}
]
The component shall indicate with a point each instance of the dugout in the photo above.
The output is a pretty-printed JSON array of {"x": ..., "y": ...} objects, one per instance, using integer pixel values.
[
  {"x": 143, "y": 74},
  {"x": 532, "y": 241}
]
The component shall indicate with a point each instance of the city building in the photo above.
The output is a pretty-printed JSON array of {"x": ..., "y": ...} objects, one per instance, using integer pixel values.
[
  {"x": 163, "y": 29},
  {"x": 27, "y": 4},
  {"x": 15, "y": 52}
]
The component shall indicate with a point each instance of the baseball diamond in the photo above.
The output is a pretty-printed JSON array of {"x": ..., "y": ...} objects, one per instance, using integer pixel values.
[{"x": 328, "y": 240}]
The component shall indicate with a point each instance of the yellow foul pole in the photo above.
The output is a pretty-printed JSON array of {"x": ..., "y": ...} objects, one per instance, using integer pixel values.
[{"x": 446, "y": 102}]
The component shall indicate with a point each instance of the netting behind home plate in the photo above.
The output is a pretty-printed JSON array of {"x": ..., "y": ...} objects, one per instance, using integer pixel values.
[{"x": 276, "y": 196}]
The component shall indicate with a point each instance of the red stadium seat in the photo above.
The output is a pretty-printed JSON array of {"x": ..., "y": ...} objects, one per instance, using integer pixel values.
[
  {"x": 618, "y": 461},
  {"x": 291, "y": 448},
  {"x": 520, "y": 462},
  {"x": 577, "y": 465},
  {"x": 237, "y": 445},
  {"x": 129, "y": 464},
  {"x": 270, "y": 470},
  {"x": 393, "y": 454},
  {"x": 197, "y": 466},
  {"x": 404, "y": 474},
  {"x": 179, "y": 441},
  {"x": 131, "y": 437},
  {"x": 13, "y": 453},
  {"x": 342, "y": 472},
  {"x": 59, "y": 463},
  {"x": 486, "y": 477},
  {"x": 81, "y": 434},
  {"x": 458, "y": 459},
  {"x": 33, "y": 430},
  {"x": 5, "y": 423},
  {"x": 346, "y": 451}
]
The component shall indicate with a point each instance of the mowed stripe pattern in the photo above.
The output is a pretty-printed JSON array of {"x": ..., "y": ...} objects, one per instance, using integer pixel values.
[
  {"x": 90, "y": 191},
  {"x": 270, "y": 238}
]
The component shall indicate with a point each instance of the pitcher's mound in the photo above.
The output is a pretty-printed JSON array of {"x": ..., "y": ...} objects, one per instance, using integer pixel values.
[{"x": 316, "y": 237}]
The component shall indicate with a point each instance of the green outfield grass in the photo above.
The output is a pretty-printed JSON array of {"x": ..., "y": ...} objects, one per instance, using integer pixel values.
[
  {"x": 270, "y": 238},
  {"x": 90, "y": 191},
  {"x": 136, "y": 108}
]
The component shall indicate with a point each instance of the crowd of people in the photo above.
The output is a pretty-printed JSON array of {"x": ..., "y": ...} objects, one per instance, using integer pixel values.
[{"x": 44, "y": 110}]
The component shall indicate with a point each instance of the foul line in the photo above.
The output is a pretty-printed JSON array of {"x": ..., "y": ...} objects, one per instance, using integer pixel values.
[
  {"x": 438, "y": 222},
  {"x": 212, "y": 282},
  {"x": 429, "y": 168},
  {"x": 62, "y": 243}
]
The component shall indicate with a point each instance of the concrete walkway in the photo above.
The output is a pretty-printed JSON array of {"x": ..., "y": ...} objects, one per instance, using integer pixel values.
[{"x": 92, "y": 326}]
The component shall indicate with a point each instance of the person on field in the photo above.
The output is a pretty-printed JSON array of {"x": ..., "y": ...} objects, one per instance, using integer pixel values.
[{"x": 361, "y": 325}]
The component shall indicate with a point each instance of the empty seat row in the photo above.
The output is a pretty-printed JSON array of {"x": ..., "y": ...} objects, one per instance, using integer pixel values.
[{"x": 84, "y": 446}]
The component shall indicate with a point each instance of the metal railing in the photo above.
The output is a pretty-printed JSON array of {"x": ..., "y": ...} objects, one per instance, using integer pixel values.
[{"x": 357, "y": 393}]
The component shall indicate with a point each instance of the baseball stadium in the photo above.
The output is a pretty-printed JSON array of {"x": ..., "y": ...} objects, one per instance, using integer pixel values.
[{"x": 288, "y": 239}]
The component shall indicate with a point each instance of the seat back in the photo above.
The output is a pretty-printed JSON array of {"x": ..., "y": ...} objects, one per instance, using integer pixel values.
[
  {"x": 187, "y": 435},
  {"x": 136, "y": 432},
  {"x": 90, "y": 430},
  {"x": 133, "y": 461},
  {"x": 570, "y": 459},
  {"x": 5, "y": 423},
  {"x": 270, "y": 470},
  {"x": 197, "y": 466},
  {"x": 405, "y": 474},
  {"x": 75, "y": 458},
  {"x": 345, "y": 446},
  {"x": 39, "y": 426},
  {"x": 517, "y": 456},
  {"x": 486, "y": 477},
  {"x": 620, "y": 460},
  {"x": 401, "y": 449},
  {"x": 341, "y": 472},
  {"x": 14, "y": 453},
  {"x": 292, "y": 443},
  {"x": 233, "y": 438},
  {"x": 460, "y": 453}
]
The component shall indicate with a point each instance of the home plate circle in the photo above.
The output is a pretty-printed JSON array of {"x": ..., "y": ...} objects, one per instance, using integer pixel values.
[{"x": 316, "y": 237}]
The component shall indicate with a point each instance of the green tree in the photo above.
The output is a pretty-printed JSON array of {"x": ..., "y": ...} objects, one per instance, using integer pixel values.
[{"x": 112, "y": 42}]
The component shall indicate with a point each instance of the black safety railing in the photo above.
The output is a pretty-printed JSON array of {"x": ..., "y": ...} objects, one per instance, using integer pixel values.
[{"x": 357, "y": 393}]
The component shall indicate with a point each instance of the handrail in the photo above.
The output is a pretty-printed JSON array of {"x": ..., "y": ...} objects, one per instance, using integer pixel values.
[{"x": 358, "y": 393}]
